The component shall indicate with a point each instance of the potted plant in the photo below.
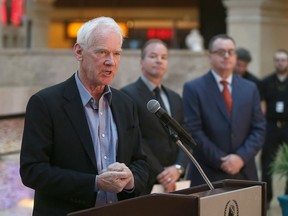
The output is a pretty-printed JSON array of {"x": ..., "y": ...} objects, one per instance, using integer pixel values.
[{"x": 280, "y": 166}]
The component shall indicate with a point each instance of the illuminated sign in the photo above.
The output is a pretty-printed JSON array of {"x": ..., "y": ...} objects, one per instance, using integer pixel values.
[
  {"x": 12, "y": 12},
  {"x": 160, "y": 33},
  {"x": 73, "y": 27}
]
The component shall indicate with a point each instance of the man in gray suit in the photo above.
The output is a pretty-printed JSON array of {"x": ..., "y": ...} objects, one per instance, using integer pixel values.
[
  {"x": 224, "y": 117},
  {"x": 166, "y": 161}
]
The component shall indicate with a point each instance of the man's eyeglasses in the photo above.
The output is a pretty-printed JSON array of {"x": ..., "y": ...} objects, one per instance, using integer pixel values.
[{"x": 222, "y": 53}]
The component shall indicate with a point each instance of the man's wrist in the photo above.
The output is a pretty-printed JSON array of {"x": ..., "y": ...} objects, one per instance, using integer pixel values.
[{"x": 180, "y": 169}]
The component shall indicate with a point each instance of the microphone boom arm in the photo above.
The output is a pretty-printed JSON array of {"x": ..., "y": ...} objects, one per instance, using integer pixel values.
[
  {"x": 177, "y": 133},
  {"x": 176, "y": 139}
]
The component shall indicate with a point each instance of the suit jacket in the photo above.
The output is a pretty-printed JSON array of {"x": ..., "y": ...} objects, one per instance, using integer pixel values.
[
  {"x": 160, "y": 149},
  {"x": 57, "y": 154},
  {"x": 219, "y": 134}
]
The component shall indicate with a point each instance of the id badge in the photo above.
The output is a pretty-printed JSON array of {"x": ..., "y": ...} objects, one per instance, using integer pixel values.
[{"x": 279, "y": 107}]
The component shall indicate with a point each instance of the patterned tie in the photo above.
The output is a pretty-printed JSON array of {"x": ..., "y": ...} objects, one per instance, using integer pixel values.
[
  {"x": 227, "y": 96},
  {"x": 158, "y": 97}
]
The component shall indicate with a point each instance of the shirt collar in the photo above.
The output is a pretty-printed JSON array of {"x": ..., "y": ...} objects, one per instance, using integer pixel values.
[
  {"x": 85, "y": 94},
  {"x": 281, "y": 77},
  {"x": 218, "y": 78},
  {"x": 151, "y": 86}
]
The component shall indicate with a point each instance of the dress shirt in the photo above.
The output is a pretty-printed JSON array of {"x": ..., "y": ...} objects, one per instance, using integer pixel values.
[
  {"x": 219, "y": 79},
  {"x": 103, "y": 132}
]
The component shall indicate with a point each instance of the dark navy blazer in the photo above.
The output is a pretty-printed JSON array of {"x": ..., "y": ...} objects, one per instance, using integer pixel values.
[{"x": 219, "y": 134}]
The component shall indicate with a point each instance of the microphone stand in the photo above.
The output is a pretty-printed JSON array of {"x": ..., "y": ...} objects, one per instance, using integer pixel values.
[{"x": 176, "y": 139}]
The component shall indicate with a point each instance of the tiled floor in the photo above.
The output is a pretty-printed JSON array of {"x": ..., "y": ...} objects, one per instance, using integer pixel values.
[
  {"x": 12, "y": 191},
  {"x": 15, "y": 198}
]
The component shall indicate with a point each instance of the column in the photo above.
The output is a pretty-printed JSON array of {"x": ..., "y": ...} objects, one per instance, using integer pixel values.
[
  {"x": 261, "y": 27},
  {"x": 38, "y": 20},
  {"x": 212, "y": 17}
]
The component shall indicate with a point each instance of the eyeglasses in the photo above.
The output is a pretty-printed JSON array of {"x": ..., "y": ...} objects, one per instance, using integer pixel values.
[{"x": 222, "y": 52}]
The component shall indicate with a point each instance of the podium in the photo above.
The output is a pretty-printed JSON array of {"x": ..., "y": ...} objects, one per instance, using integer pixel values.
[{"x": 228, "y": 198}]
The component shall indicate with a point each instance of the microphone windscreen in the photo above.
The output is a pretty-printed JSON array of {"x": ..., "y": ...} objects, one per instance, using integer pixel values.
[{"x": 153, "y": 105}]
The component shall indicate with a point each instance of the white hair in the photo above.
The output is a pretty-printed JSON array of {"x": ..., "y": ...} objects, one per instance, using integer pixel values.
[{"x": 84, "y": 33}]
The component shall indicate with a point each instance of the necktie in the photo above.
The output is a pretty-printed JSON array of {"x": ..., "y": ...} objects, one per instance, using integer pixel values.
[
  {"x": 158, "y": 97},
  {"x": 227, "y": 96}
]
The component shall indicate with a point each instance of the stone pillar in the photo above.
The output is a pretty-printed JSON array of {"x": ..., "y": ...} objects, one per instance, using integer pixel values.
[
  {"x": 260, "y": 26},
  {"x": 38, "y": 21}
]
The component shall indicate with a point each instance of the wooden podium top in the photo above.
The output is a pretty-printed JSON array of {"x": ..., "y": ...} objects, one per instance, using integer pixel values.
[{"x": 230, "y": 197}]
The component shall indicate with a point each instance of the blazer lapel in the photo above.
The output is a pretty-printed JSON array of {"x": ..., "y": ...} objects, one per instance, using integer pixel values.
[
  {"x": 148, "y": 95},
  {"x": 236, "y": 94},
  {"x": 119, "y": 121},
  {"x": 143, "y": 90},
  {"x": 76, "y": 113}
]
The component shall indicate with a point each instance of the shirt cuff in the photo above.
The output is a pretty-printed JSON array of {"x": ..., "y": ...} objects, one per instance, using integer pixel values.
[{"x": 129, "y": 190}]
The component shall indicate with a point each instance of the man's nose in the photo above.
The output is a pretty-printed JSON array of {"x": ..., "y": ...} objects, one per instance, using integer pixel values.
[
  {"x": 110, "y": 59},
  {"x": 159, "y": 59}
]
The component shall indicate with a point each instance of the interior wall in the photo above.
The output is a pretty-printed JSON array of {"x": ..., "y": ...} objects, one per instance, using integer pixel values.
[{"x": 136, "y": 18}]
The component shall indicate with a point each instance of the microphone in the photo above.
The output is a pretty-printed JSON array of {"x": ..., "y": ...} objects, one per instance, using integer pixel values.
[{"x": 153, "y": 106}]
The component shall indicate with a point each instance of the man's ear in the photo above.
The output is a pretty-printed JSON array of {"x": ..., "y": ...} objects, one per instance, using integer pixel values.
[{"x": 78, "y": 51}]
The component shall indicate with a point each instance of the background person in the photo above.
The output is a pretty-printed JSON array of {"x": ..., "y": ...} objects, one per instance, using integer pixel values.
[
  {"x": 81, "y": 142},
  {"x": 166, "y": 160},
  {"x": 275, "y": 103},
  {"x": 241, "y": 68},
  {"x": 224, "y": 117}
]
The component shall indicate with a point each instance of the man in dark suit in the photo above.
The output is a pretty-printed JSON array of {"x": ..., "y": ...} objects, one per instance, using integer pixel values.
[
  {"x": 166, "y": 161},
  {"x": 81, "y": 143},
  {"x": 229, "y": 134}
]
